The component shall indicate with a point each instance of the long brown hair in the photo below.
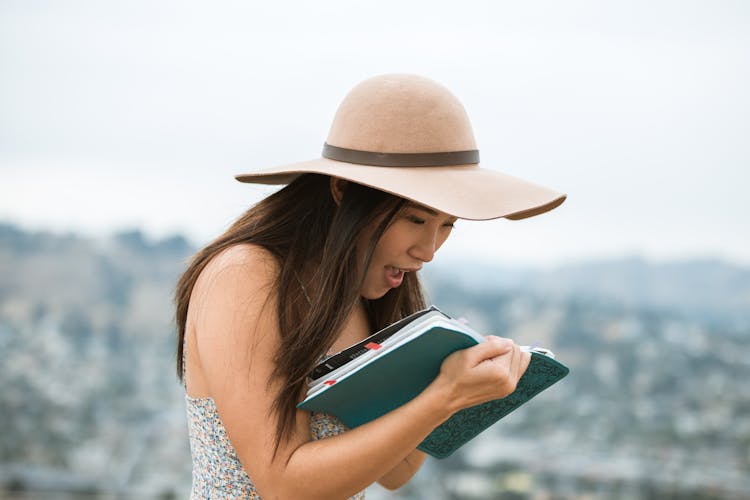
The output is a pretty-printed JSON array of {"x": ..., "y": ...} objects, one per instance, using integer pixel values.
[{"x": 304, "y": 229}]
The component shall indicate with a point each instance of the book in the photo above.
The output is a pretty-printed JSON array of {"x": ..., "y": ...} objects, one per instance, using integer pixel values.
[{"x": 392, "y": 366}]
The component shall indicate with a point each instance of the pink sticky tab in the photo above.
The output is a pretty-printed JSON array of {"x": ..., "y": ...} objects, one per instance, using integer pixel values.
[
  {"x": 329, "y": 382},
  {"x": 373, "y": 345}
]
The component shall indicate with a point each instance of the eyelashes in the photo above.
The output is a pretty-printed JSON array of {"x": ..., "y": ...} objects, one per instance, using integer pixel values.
[{"x": 419, "y": 221}]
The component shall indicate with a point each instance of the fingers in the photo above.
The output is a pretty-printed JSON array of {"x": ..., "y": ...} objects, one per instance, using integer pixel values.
[
  {"x": 494, "y": 347},
  {"x": 525, "y": 360},
  {"x": 510, "y": 366},
  {"x": 515, "y": 363},
  {"x": 486, "y": 371},
  {"x": 518, "y": 364}
]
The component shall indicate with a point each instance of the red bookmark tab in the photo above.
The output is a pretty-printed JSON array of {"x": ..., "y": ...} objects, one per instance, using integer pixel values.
[
  {"x": 373, "y": 346},
  {"x": 329, "y": 382}
]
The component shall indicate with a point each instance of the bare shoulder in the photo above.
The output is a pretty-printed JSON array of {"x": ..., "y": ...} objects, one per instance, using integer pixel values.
[
  {"x": 245, "y": 253},
  {"x": 239, "y": 267},
  {"x": 237, "y": 285},
  {"x": 243, "y": 258}
]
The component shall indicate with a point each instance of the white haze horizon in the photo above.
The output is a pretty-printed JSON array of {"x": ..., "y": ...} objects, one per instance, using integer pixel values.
[{"x": 137, "y": 116}]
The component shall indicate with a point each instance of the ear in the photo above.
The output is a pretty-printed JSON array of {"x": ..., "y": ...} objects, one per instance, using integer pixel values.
[{"x": 337, "y": 189}]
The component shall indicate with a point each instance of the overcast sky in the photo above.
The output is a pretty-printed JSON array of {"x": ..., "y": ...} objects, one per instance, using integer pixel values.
[{"x": 139, "y": 113}]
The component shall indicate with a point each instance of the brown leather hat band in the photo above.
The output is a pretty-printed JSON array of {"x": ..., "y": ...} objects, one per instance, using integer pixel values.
[{"x": 400, "y": 159}]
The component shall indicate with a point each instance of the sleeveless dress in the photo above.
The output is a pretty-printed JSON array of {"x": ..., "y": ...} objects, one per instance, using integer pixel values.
[{"x": 217, "y": 471}]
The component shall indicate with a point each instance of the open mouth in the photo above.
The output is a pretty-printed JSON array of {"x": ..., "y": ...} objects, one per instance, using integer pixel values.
[{"x": 394, "y": 276}]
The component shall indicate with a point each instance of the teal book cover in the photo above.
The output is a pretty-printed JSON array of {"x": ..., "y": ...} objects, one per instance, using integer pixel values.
[{"x": 401, "y": 373}]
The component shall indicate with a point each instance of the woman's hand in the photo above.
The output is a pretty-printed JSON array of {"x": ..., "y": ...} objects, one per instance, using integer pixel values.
[{"x": 481, "y": 373}]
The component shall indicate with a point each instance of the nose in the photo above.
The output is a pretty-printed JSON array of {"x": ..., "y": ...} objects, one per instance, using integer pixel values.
[{"x": 424, "y": 249}]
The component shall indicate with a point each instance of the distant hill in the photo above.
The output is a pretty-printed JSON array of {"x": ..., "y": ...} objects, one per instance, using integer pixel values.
[{"x": 708, "y": 289}]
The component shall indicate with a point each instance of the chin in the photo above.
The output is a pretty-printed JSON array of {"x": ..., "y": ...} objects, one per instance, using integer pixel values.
[{"x": 373, "y": 295}]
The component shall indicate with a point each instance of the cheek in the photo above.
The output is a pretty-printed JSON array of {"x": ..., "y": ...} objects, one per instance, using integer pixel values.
[
  {"x": 445, "y": 237},
  {"x": 393, "y": 241}
]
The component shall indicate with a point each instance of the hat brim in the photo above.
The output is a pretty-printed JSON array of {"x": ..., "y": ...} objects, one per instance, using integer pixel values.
[{"x": 463, "y": 191}]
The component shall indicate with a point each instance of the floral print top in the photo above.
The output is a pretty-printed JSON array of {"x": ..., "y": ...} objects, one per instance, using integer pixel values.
[{"x": 217, "y": 471}]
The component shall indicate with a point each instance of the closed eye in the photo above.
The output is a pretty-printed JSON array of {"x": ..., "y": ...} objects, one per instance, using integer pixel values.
[{"x": 416, "y": 220}]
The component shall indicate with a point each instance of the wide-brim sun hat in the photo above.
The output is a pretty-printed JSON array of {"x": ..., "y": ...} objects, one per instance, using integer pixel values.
[{"x": 410, "y": 136}]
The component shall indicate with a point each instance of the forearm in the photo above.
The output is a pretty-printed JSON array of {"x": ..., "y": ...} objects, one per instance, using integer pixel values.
[{"x": 340, "y": 466}]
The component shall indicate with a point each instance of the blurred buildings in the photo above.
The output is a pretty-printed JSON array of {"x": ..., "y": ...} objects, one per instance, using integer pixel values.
[{"x": 655, "y": 405}]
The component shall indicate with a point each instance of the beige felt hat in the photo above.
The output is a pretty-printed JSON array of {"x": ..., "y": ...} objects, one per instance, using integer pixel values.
[{"x": 409, "y": 136}]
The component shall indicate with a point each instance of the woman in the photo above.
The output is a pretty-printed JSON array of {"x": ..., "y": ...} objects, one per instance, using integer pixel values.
[{"x": 320, "y": 265}]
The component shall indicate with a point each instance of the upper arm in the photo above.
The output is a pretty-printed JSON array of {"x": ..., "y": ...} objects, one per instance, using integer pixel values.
[{"x": 234, "y": 313}]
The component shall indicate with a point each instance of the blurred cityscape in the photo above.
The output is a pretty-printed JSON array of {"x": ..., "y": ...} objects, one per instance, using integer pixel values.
[{"x": 657, "y": 404}]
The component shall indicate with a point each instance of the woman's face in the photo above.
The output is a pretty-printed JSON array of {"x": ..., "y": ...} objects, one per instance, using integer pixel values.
[{"x": 411, "y": 240}]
